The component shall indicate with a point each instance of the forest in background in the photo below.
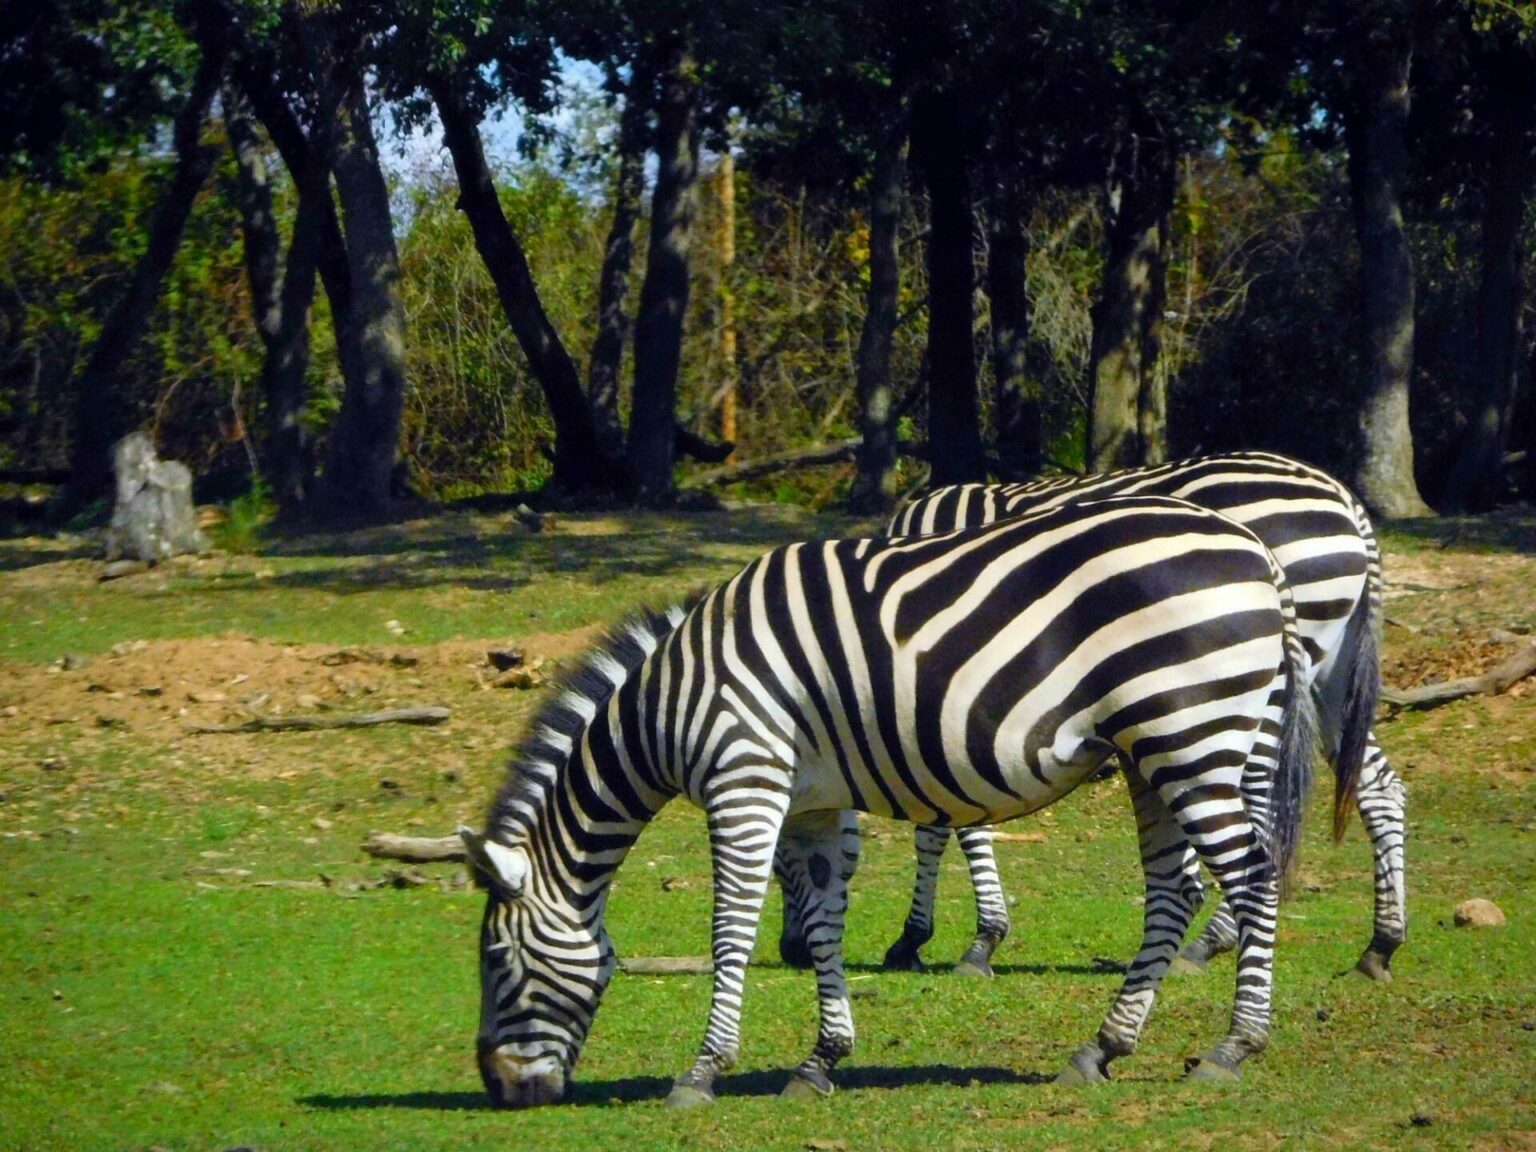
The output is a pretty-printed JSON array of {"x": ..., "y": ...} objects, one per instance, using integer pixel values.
[{"x": 941, "y": 241}]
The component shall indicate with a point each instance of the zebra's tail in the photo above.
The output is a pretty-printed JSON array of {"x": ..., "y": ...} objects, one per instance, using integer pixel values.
[
  {"x": 1297, "y": 745},
  {"x": 1362, "y": 655}
]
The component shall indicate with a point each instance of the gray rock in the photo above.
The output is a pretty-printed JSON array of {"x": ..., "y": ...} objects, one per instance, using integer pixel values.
[{"x": 153, "y": 519}]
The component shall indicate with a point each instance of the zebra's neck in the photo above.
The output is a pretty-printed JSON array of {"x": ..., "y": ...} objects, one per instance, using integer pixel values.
[{"x": 576, "y": 797}]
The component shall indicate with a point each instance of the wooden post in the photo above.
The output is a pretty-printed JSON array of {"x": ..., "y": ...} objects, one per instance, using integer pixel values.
[{"x": 726, "y": 175}]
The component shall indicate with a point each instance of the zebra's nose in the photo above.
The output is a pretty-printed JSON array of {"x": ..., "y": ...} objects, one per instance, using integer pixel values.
[{"x": 514, "y": 1081}]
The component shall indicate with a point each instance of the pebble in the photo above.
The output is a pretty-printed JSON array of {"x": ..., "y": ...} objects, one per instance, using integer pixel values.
[{"x": 1479, "y": 913}]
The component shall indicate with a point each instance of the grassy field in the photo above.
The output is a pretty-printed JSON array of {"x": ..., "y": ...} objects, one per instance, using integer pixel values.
[{"x": 157, "y": 989}]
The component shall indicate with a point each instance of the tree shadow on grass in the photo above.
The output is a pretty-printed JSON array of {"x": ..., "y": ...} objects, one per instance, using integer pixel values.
[
  {"x": 1505, "y": 530},
  {"x": 634, "y": 1089}
]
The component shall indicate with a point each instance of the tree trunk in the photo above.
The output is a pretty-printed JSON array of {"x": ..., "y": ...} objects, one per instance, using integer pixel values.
[
  {"x": 664, "y": 294},
  {"x": 1016, "y": 399},
  {"x": 258, "y": 218},
  {"x": 99, "y": 418},
  {"x": 613, "y": 283},
  {"x": 726, "y": 176},
  {"x": 1376, "y": 125},
  {"x": 874, "y": 486},
  {"x": 580, "y": 461},
  {"x": 366, "y": 438},
  {"x": 1477, "y": 479},
  {"x": 954, "y": 424},
  {"x": 1127, "y": 410}
]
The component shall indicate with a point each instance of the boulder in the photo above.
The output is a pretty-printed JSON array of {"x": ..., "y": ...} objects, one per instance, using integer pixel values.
[
  {"x": 1479, "y": 913},
  {"x": 153, "y": 518}
]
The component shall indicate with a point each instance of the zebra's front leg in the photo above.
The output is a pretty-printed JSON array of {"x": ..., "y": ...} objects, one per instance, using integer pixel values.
[
  {"x": 829, "y": 845},
  {"x": 928, "y": 844},
  {"x": 1166, "y": 917},
  {"x": 1381, "y": 798},
  {"x": 742, "y": 836},
  {"x": 991, "y": 905}
]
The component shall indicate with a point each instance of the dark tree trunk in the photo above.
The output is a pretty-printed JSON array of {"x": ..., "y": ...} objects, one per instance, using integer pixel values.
[
  {"x": 1127, "y": 412},
  {"x": 285, "y": 374},
  {"x": 258, "y": 218},
  {"x": 579, "y": 461},
  {"x": 1477, "y": 479},
  {"x": 613, "y": 282},
  {"x": 664, "y": 294},
  {"x": 874, "y": 486},
  {"x": 99, "y": 418},
  {"x": 954, "y": 421},
  {"x": 1376, "y": 124},
  {"x": 1016, "y": 399},
  {"x": 366, "y": 437}
]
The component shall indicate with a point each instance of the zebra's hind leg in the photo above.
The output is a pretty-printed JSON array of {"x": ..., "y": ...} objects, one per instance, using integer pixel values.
[
  {"x": 829, "y": 845},
  {"x": 1380, "y": 797},
  {"x": 991, "y": 905},
  {"x": 1166, "y": 918},
  {"x": 789, "y": 866},
  {"x": 743, "y": 830},
  {"x": 928, "y": 843}
]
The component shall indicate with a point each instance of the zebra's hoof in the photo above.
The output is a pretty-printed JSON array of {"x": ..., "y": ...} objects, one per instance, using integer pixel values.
[
  {"x": 1184, "y": 966},
  {"x": 901, "y": 959},
  {"x": 804, "y": 1086},
  {"x": 1210, "y": 1068},
  {"x": 1083, "y": 1068},
  {"x": 1374, "y": 965},
  {"x": 687, "y": 1096},
  {"x": 974, "y": 969}
]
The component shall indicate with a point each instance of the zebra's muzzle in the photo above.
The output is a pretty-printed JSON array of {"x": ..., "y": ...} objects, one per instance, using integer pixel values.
[{"x": 517, "y": 1081}]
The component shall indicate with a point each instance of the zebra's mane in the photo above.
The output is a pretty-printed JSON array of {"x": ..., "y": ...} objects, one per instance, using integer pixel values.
[{"x": 577, "y": 698}]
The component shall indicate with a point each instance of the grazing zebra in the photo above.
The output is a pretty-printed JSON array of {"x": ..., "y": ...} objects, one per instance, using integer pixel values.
[
  {"x": 955, "y": 680},
  {"x": 1323, "y": 540}
]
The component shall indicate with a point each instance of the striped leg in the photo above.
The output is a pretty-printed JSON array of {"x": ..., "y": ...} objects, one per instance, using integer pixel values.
[
  {"x": 928, "y": 843},
  {"x": 991, "y": 905},
  {"x": 828, "y": 846},
  {"x": 1165, "y": 920},
  {"x": 1381, "y": 798},
  {"x": 742, "y": 833}
]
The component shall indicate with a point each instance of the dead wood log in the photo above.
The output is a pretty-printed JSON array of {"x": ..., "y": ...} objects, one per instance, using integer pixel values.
[
  {"x": 1497, "y": 679},
  {"x": 667, "y": 965},
  {"x": 416, "y": 849},
  {"x": 431, "y": 714}
]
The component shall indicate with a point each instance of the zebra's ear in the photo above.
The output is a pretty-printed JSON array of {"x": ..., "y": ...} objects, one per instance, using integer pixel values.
[{"x": 505, "y": 867}]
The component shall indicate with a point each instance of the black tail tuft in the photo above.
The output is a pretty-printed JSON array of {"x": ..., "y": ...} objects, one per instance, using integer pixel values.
[
  {"x": 1296, "y": 752},
  {"x": 1362, "y": 651}
]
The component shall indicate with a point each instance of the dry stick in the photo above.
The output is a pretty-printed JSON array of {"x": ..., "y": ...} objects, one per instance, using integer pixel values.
[
  {"x": 416, "y": 849},
  {"x": 1497, "y": 679},
  {"x": 434, "y": 714},
  {"x": 667, "y": 965}
]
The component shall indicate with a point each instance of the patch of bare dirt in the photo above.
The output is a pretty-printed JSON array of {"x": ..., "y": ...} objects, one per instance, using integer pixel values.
[{"x": 153, "y": 689}]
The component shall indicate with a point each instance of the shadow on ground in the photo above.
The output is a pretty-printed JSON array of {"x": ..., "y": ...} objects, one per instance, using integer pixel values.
[
  {"x": 1506, "y": 530},
  {"x": 633, "y": 1089}
]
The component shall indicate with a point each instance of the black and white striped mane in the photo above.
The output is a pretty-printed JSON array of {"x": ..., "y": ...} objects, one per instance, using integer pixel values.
[{"x": 576, "y": 698}]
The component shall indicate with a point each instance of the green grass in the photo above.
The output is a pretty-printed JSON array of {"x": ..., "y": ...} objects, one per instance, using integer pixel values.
[{"x": 148, "y": 997}]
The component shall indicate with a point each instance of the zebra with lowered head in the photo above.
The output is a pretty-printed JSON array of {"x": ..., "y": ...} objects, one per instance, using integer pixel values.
[
  {"x": 1324, "y": 542},
  {"x": 954, "y": 680}
]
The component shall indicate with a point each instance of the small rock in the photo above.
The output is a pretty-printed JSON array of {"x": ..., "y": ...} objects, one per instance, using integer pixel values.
[
  {"x": 206, "y": 697},
  {"x": 54, "y": 763},
  {"x": 404, "y": 660},
  {"x": 675, "y": 883},
  {"x": 820, "y": 1145},
  {"x": 10, "y": 710},
  {"x": 1479, "y": 913},
  {"x": 321, "y": 823},
  {"x": 389, "y": 785},
  {"x": 394, "y": 627},
  {"x": 1421, "y": 1120},
  {"x": 308, "y": 700},
  {"x": 73, "y": 661},
  {"x": 57, "y": 995},
  {"x": 151, "y": 690},
  {"x": 127, "y": 647}
]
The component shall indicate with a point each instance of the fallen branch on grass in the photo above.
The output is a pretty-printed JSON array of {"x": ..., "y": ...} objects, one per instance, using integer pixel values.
[
  {"x": 414, "y": 849},
  {"x": 432, "y": 714},
  {"x": 667, "y": 965},
  {"x": 1500, "y": 678}
]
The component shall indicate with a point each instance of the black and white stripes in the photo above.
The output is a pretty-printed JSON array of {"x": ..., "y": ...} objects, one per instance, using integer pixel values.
[
  {"x": 954, "y": 680},
  {"x": 1324, "y": 542}
]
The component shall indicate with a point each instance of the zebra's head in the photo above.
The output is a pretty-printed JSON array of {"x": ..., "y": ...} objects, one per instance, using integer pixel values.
[{"x": 543, "y": 968}]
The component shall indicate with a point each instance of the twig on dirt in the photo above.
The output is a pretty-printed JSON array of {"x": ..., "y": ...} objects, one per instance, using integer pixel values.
[
  {"x": 1403, "y": 624},
  {"x": 415, "y": 849},
  {"x": 667, "y": 965},
  {"x": 1497, "y": 679},
  {"x": 431, "y": 714}
]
